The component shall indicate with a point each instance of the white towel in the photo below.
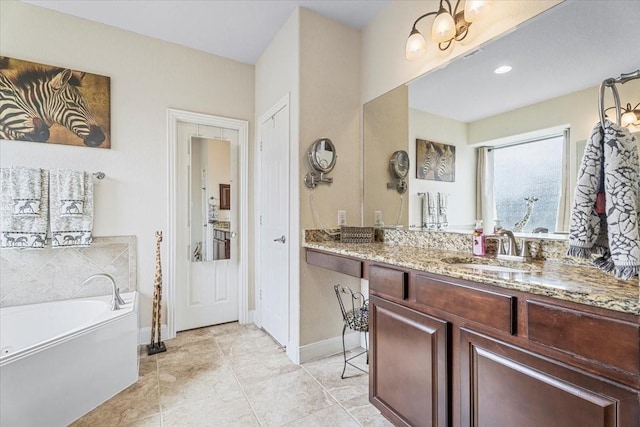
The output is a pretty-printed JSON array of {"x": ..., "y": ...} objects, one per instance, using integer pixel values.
[
  {"x": 71, "y": 191},
  {"x": 615, "y": 234},
  {"x": 70, "y": 229},
  {"x": 26, "y": 189},
  {"x": 22, "y": 231}
]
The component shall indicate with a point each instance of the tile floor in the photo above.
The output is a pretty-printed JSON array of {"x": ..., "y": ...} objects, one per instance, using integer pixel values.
[{"x": 236, "y": 375}]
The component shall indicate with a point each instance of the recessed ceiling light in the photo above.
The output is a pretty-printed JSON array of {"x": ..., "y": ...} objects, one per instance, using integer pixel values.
[{"x": 502, "y": 69}]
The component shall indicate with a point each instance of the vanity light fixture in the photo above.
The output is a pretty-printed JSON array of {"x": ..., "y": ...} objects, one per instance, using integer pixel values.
[
  {"x": 449, "y": 24},
  {"x": 630, "y": 116}
]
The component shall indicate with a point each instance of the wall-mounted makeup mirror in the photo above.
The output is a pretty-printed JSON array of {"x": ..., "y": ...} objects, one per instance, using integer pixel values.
[
  {"x": 399, "y": 169},
  {"x": 466, "y": 105},
  {"x": 322, "y": 159},
  {"x": 209, "y": 204}
]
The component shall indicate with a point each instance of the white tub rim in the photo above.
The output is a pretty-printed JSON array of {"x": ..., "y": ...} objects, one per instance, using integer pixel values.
[{"x": 129, "y": 309}]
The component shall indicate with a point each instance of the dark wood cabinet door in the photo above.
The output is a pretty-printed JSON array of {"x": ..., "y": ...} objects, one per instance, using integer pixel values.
[
  {"x": 502, "y": 385},
  {"x": 409, "y": 365}
]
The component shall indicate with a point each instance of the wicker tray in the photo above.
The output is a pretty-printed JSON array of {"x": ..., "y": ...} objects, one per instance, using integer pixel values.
[{"x": 356, "y": 234}]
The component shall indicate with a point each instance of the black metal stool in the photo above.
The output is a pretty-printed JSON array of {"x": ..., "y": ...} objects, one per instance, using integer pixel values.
[{"x": 357, "y": 319}]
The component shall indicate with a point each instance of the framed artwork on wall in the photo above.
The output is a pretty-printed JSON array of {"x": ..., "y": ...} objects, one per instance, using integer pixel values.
[
  {"x": 225, "y": 196},
  {"x": 57, "y": 105},
  {"x": 435, "y": 161}
]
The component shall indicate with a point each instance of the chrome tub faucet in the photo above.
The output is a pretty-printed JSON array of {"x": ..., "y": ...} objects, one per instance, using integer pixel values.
[{"x": 116, "y": 300}]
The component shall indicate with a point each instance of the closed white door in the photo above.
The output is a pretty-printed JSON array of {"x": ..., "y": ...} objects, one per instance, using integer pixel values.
[
  {"x": 208, "y": 292},
  {"x": 273, "y": 275}
]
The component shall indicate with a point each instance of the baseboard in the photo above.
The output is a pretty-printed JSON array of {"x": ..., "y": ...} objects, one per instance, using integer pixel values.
[
  {"x": 328, "y": 347},
  {"x": 144, "y": 334}
]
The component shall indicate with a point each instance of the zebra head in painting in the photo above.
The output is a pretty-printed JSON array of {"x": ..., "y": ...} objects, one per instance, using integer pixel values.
[
  {"x": 18, "y": 121},
  {"x": 54, "y": 94}
]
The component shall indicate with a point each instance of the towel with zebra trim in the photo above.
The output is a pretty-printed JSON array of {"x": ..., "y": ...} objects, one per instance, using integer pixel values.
[
  {"x": 26, "y": 188},
  {"x": 23, "y": 226},
  {"x": 610, "y": 165},
  {"x": 70, "y": 229},
  {"x": 71, "y": 191}
]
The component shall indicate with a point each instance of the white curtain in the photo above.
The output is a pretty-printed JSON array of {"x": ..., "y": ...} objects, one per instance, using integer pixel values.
[
  {"x": 485, "y": 203},
  {"x": 564, "y": 205}
]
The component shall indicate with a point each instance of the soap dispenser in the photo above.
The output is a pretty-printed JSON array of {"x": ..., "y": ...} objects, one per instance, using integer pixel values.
[{"x": 479, "y": 246}]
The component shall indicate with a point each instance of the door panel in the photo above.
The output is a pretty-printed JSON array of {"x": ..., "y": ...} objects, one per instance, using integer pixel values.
[
  {"x": 503, "y": 385},
  {"x": 274, "y": 225},
  {"x": 409, "y": 365}
]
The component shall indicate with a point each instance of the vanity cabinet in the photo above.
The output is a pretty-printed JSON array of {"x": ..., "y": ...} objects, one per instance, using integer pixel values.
[
  {"x": 504, "y": 385},
  {"x": 448, "y": 351}
]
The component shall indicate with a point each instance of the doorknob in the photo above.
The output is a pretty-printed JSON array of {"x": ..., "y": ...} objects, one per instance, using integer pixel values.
[{"x": 280, "y": 239}]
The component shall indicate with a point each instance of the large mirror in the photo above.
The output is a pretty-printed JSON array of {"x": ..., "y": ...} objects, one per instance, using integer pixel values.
[
  {"x": 558, "y": 60},
  {"x": 210, "y": 203}
]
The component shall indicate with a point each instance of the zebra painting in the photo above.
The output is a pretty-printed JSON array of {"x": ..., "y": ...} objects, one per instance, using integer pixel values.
[
  {"x": 445, "y": 170},
  {"x": 61, "y": 100},
  {"x": 436, "y": 161},
  {"x": 17, "y": 119}
]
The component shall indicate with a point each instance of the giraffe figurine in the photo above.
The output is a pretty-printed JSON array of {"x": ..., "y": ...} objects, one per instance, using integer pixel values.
[
  {"x": 157, "y": 346},
  {"x": 519, "y": 226}
]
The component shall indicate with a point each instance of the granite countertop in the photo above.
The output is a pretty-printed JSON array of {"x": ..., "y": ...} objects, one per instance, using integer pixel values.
[
  {"x": 222, "y": 226},
  {"x": 576, "y": 283}
]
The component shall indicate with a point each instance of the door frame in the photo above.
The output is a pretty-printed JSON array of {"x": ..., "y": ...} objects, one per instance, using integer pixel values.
[
  {"x": 293, "y": 241},
  {"x": 242, "y": 126}
]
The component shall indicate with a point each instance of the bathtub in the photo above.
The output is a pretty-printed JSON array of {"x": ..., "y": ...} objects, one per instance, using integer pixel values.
[{"x": 59, "y": 360}]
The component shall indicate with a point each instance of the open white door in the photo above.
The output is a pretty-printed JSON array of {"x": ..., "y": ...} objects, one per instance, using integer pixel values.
[{"x": 273, "y": 211}]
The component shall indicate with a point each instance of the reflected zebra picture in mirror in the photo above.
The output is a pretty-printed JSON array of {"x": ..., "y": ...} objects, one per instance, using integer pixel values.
[
  {"x": 43, "y": 103},
  {"x": 435, "y": 161}
]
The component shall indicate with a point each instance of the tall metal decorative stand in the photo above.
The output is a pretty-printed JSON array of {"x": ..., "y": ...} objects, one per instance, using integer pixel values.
[{"x": 157, "y": 346}]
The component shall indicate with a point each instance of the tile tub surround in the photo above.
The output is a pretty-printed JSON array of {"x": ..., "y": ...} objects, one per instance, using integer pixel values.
[
  {"x": 576, "y": 283},
  {"x": 30, "y": 276},
  {"x": 235, "y": 375}
]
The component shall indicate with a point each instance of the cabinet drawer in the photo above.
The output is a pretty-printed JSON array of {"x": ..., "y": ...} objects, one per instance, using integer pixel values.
[
  {"x": 387, "y": 281},
  {"x": 347, "y": 266},
  {"x": 589, "y": 336},
  {"x": 492, "y": 309}
]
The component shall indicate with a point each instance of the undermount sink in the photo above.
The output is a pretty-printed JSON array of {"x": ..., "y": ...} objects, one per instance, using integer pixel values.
[{"x": 490, "y": 265}]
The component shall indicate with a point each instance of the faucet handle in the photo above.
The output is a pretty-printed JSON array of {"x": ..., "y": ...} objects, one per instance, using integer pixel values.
[{"x": 524, "y": 251}]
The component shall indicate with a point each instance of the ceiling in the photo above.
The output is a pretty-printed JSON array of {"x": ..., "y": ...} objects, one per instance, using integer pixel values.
[
  {"x": 239, "y": 29},
  {"x": 571, "y": 47}
]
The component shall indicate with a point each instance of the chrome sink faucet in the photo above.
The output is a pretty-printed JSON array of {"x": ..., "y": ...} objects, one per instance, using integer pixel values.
[
  {"x": 512, "y": 249},
  {"x": 117, "y": 300}
]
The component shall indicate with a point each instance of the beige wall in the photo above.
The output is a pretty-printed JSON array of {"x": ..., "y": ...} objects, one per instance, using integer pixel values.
[
  {"x": 147, "y": 77},
  {"x": 329, "y": 107},
  {"x": 383, "y": 39}
]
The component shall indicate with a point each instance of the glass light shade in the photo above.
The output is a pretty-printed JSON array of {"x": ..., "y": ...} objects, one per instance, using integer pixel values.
[
  {"x": 416, "y": 45},
  {"x": 475, "y": 9},
  {"x": 444, "y": 27},
  {"x": 629, "y": 118}
]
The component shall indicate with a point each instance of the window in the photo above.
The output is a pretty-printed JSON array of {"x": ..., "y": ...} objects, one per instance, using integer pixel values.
[{"x": 527, "y": 170}]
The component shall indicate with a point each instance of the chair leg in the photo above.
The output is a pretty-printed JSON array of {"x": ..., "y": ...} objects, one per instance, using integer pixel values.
[
  {"x": 344, "y": 351},
  {"x": 366, "y": 346}
]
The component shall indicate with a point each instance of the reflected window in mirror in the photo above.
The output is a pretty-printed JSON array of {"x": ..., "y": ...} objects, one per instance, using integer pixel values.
[{"x": 527, "y": 183}]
